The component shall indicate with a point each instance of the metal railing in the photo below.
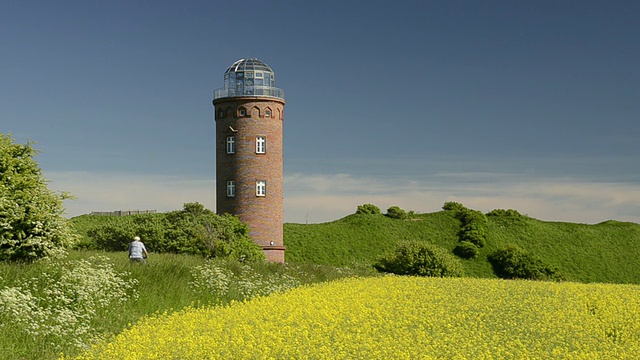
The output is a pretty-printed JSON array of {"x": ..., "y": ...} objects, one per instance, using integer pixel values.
[{"x": 249, "y": 91}]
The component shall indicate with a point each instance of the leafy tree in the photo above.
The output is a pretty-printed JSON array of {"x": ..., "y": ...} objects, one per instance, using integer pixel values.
[
  {"x": 395, "y": 212},
  {"x": 422, "y": 259},
  {"x": 368, "y": 209},
  {"x": 32, "y": 225}
]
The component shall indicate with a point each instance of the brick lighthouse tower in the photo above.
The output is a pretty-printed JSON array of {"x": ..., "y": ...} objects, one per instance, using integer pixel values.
[{"x": 249, "y": 111}]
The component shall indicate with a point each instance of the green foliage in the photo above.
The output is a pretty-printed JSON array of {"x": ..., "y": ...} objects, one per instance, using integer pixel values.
[
  {"x": 474, "y": 234},
  {"x": 513, "y": 262},
  {"x": 453, "y": 206},
  {"x": 422, "y": 259},
  {"x": 31, "y": 221},
  {"x": 504, "y": 213},
  {"x": 193, "y": 230},
  {"x": 474, "y": 225},
  {"x": 466, "y": 250},
  {"x": 395, "y": 212},
  {"x": 368, "y": 209}
]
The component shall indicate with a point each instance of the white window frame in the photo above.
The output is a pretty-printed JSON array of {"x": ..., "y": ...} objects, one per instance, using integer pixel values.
[
  {"x": 261, "y": 144},
  {"x": 231, "y": 189},
  {"x": 267, "y": 113},
  {"x": 231, "y": 144},
  {"x": 261, "y": 188}
]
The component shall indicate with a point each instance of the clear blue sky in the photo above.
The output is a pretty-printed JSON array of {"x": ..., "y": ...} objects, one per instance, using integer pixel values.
[{"x": 531, "y": 105}]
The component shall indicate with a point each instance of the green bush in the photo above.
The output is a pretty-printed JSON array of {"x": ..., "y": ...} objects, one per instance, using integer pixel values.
[
  {"x": 422, "y": 259},
  {"x": 193, "y": 230},
  {"x": 395, "y": 212},
  {"x": 369, "y": 209},
  {"x": 504, "y": 213},
  {"x": 32, "y": 224},
  {"x": 476, "y": 236},
  {"x": 513, "y": 262},
  {"x": 475, "y": 217},
  {"x": 474, "y": 227},
  {"x": 466, "y": 250},
  {"x": 453, "y": 206}
]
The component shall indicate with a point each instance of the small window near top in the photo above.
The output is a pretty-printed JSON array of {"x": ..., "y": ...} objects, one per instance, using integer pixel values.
[
  {"x": 261, "y": 188},
  {"x": 261, "y": 145},
  {"x": 242, "y": 112},
  {"x": 231, "y": 144},
  {"x": 231, "y": 189},
  {"x": 267, "y": 113}
]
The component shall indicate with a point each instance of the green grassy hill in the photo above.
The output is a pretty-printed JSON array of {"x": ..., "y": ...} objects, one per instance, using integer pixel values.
[{"x": 607, "y": 252}]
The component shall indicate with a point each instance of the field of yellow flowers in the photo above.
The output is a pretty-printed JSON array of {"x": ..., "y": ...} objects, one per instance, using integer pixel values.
[{"x": 395, "y": 317}]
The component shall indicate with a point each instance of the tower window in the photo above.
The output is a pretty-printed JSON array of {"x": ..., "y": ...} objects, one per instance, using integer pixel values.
[
  {"x": 261, "y": 188},
  {"x": 231, "y": 188},
  {"x": 261, "y": 145},
  {"x": 267, "y": 113},
  {"x": 231, "y": 144},
  {"x": 242, "y": 111}
]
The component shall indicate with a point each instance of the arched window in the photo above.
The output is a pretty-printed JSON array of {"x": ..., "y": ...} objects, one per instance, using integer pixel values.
[
  {"x": 261, "y": 188},
  {"x": 261, "y": 144}
]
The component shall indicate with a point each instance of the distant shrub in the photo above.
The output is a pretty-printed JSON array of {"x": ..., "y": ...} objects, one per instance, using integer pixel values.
[
  {"x": 466, "y": 250},
  {"x": 422, "y": 259},
  {"x": 504, "y": 213},
  {"x": 395, "y": 212},
  {"x": 193, "y": 230},
  {"x": 474, "y": 234},
  {"x": 473, "y": 230},
  {"x": 513, "y": 262},
  {"x": 453, "y": 206},
  {"x": 474, "y": 226},
  {"x": 369, "y": 209},
  {"x": 475, "y": 217}
]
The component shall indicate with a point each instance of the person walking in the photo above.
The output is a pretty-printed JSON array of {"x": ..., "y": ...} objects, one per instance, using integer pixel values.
[{"x": 137, "y": 251}]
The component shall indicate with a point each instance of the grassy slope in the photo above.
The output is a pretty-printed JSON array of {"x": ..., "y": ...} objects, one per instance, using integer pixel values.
[
  {"x": 362, "y": 238},
  {"x": 605, "y": 252}
]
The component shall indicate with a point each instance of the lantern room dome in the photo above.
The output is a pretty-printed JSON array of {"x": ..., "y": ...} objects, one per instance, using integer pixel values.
[
  {"x": 249, "y": 77},
  {"x": 251, "y": 64}
]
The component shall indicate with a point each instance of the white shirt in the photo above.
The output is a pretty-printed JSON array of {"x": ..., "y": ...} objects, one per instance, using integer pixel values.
[{"x": 136, "y": 249}]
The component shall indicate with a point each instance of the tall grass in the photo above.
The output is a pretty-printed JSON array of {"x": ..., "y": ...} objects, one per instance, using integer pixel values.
[{"x": 38, "y": 323}]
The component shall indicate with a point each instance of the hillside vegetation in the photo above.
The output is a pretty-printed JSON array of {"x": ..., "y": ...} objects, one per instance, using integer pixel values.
[{"x": 605, "y": 252}]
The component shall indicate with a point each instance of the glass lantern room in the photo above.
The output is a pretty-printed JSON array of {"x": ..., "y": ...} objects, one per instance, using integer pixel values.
[{"x": 249, "y": 77}]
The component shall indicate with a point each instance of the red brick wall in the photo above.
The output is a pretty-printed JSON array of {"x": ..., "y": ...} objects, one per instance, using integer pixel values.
[{"x": 264, "y": 215}]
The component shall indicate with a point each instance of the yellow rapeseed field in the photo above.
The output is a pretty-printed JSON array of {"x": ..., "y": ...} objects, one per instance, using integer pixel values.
[{"x": 395, "y": 317}]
